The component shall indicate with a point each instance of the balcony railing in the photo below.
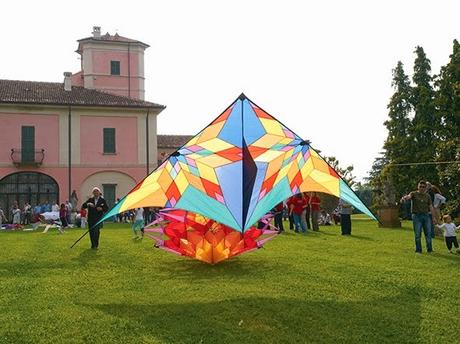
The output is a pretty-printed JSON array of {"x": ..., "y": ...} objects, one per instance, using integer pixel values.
[{"x": 27, "y": 157}]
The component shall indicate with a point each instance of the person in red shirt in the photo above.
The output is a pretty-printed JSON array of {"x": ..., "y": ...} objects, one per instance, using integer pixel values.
[
  {"x": 307, "y": 210},
  {"x": 315, "y": 202},
  {"x": 63, "y": 215},
  {"x": 298, "y": 205},
  {"x": 83, "y": 213}
]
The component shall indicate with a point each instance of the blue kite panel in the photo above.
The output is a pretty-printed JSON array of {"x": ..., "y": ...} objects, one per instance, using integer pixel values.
[
  {"x": 231, "y": 131},
  {"x": 252, "y": 128},
  {"x": 230, "y": 180}
]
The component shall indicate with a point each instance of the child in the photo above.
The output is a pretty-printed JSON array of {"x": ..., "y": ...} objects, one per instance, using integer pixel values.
[
  {"x": 449, "y": 232},
  {"x": 83, "y": 218},
  {"x": 63, "y": 215},
  {"x": 138, "y": 222}
]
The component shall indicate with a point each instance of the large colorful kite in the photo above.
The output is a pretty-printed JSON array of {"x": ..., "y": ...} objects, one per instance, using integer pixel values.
[{"x": 236, "y": 169}]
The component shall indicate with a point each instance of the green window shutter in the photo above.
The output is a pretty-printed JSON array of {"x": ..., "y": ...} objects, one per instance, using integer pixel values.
[
  {"x": 115, "y": 67},
  {"x": 27, "y": 144},
  {"x": 109, "y": 140}
]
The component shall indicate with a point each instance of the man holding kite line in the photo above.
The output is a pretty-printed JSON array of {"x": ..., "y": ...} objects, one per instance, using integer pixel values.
[{"x": 96, "y": 206}]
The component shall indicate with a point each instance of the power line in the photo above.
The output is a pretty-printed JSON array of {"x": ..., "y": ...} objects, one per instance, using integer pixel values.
[{"x": 426, "y": 163}]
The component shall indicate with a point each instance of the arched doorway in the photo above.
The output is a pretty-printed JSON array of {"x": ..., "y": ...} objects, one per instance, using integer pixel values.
[
  {"x": 114, "y": 184},
  {"x": 33, "y": 187}
]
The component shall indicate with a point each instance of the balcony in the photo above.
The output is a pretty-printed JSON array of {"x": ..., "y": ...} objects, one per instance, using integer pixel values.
[{"x": 27, "y": 157}]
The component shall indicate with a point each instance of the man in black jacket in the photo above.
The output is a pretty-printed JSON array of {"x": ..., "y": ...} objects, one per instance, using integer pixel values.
[{"x": 96, "y": 206}]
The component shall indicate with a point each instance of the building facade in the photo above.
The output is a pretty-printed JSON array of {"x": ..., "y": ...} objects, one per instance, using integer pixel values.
[{"x": 94, "y": 129}]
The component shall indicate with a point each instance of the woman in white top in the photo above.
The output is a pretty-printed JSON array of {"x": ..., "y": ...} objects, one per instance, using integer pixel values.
[
  {"x": 16, "y": 212},
  {"x": 55, "y": 208},
  {"x": 437, "y": 202}
]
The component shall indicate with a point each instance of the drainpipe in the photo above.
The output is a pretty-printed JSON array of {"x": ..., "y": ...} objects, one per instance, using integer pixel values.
[
  {"x": 70, "y": 150},
  {"x": 129, "y": 70},
  {"x": 147, "y": 140},
  {"x": 68, "y": 89}
]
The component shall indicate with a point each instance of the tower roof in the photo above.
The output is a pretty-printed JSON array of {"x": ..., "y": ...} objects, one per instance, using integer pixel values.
[{"x": 108, "y": 38}]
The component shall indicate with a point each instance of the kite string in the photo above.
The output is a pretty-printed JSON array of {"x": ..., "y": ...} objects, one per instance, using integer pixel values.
[{"x": 426, "y": 163}]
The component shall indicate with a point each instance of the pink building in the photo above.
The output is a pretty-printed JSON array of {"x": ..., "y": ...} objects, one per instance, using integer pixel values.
[{"x": 94, "y": 129}]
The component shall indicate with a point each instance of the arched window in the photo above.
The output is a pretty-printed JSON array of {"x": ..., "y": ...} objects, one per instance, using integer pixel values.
[{"x": 32, "y": 187}]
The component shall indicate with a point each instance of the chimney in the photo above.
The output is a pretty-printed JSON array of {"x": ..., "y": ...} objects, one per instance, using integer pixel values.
[
  {"x": 96, "y": 31},
  {"x": 67, "y": 81}
]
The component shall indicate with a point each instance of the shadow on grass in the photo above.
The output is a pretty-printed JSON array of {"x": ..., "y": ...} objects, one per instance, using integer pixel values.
[
  {"x": 87, "y": 256},
  {"x": 270, "y": 320},
  {"x": 359, "y": 237},
  {"x": 352, "y": 236},
  {"x": 453, "y": 257},
  {"x": 237, "y": 267}
]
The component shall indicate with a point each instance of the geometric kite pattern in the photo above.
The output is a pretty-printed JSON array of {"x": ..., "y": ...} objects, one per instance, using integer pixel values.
[
  {"x": 237, "y": 169},
  {"x": 196, "y": 236}
]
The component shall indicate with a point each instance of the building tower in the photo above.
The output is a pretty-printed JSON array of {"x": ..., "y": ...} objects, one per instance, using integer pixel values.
[{"x": 113, "y": 64}]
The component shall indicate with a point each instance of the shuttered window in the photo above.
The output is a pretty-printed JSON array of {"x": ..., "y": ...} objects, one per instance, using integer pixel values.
[
  {"x": 27, "y": 144},
  {"x": 115, "y": 67},
  {"x": 109, "y": 140}
]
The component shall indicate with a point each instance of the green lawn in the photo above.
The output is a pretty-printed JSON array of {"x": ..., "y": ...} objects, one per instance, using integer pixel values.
[{"x": 320, "y": 287}]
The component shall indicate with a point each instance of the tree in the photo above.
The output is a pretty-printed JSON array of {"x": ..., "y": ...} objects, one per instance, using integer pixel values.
[
  {"x": 424, "y": 123},
  {"x": 447, "y": 102},
  {"x": 375, "y": 180},
  {"x": 346, "y": 173},
  {"x": 398, "y": 147},
  {"x": 329, "y": 202}
]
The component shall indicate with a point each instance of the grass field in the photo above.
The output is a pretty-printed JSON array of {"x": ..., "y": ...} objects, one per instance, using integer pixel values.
[{"x": 315, "y": 288}]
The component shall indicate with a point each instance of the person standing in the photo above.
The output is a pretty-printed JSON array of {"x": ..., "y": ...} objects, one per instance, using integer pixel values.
[
  {"x": 307, "y": 211},
  {"x": 291, "y": 218},
  {"x": 69, "y": 208},
  {"x": 421, "y": 208},
  {"x": 438, "y": 200},
  {"x": 27, "y": 213},
  {"x": 96, "y": 206},
  {"x": 55, "y": 208},
  {"x": 297, "y": 207},
  {"x": 74, "y": 200},
  {"x": 315, "y": 202},
  {"x": 63, "y": 215},
  {"x": 430, "y": 192},
  {"x": 16, "y": 213},
  {"x": 2, "y": 217},
  {"x": 278, "y": 210},
  {"x": 138, "y": 223},
  {"x": 345, "y": 217},
  {"x": 83, "y": 213}
]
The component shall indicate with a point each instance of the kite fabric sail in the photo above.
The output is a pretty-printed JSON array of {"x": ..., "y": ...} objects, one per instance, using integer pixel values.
[
  {"x": 237, "y": 169},
  {"x": 196, "y": 236}
]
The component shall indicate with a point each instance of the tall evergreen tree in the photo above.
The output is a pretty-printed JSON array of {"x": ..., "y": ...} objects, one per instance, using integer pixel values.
[
  {"x": 424, "y": 123},
  {"x": 448, "y": 112},
  {"x": 398, "y": 145}
]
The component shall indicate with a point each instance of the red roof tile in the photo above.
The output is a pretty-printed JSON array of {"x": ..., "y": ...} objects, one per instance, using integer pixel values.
[
  {"x": 172, "y": 141},
  {"x": 53, "y": 93}
]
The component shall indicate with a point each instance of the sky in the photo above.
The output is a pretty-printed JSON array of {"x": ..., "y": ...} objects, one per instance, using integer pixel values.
[{"x": 323, "y": 68}]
